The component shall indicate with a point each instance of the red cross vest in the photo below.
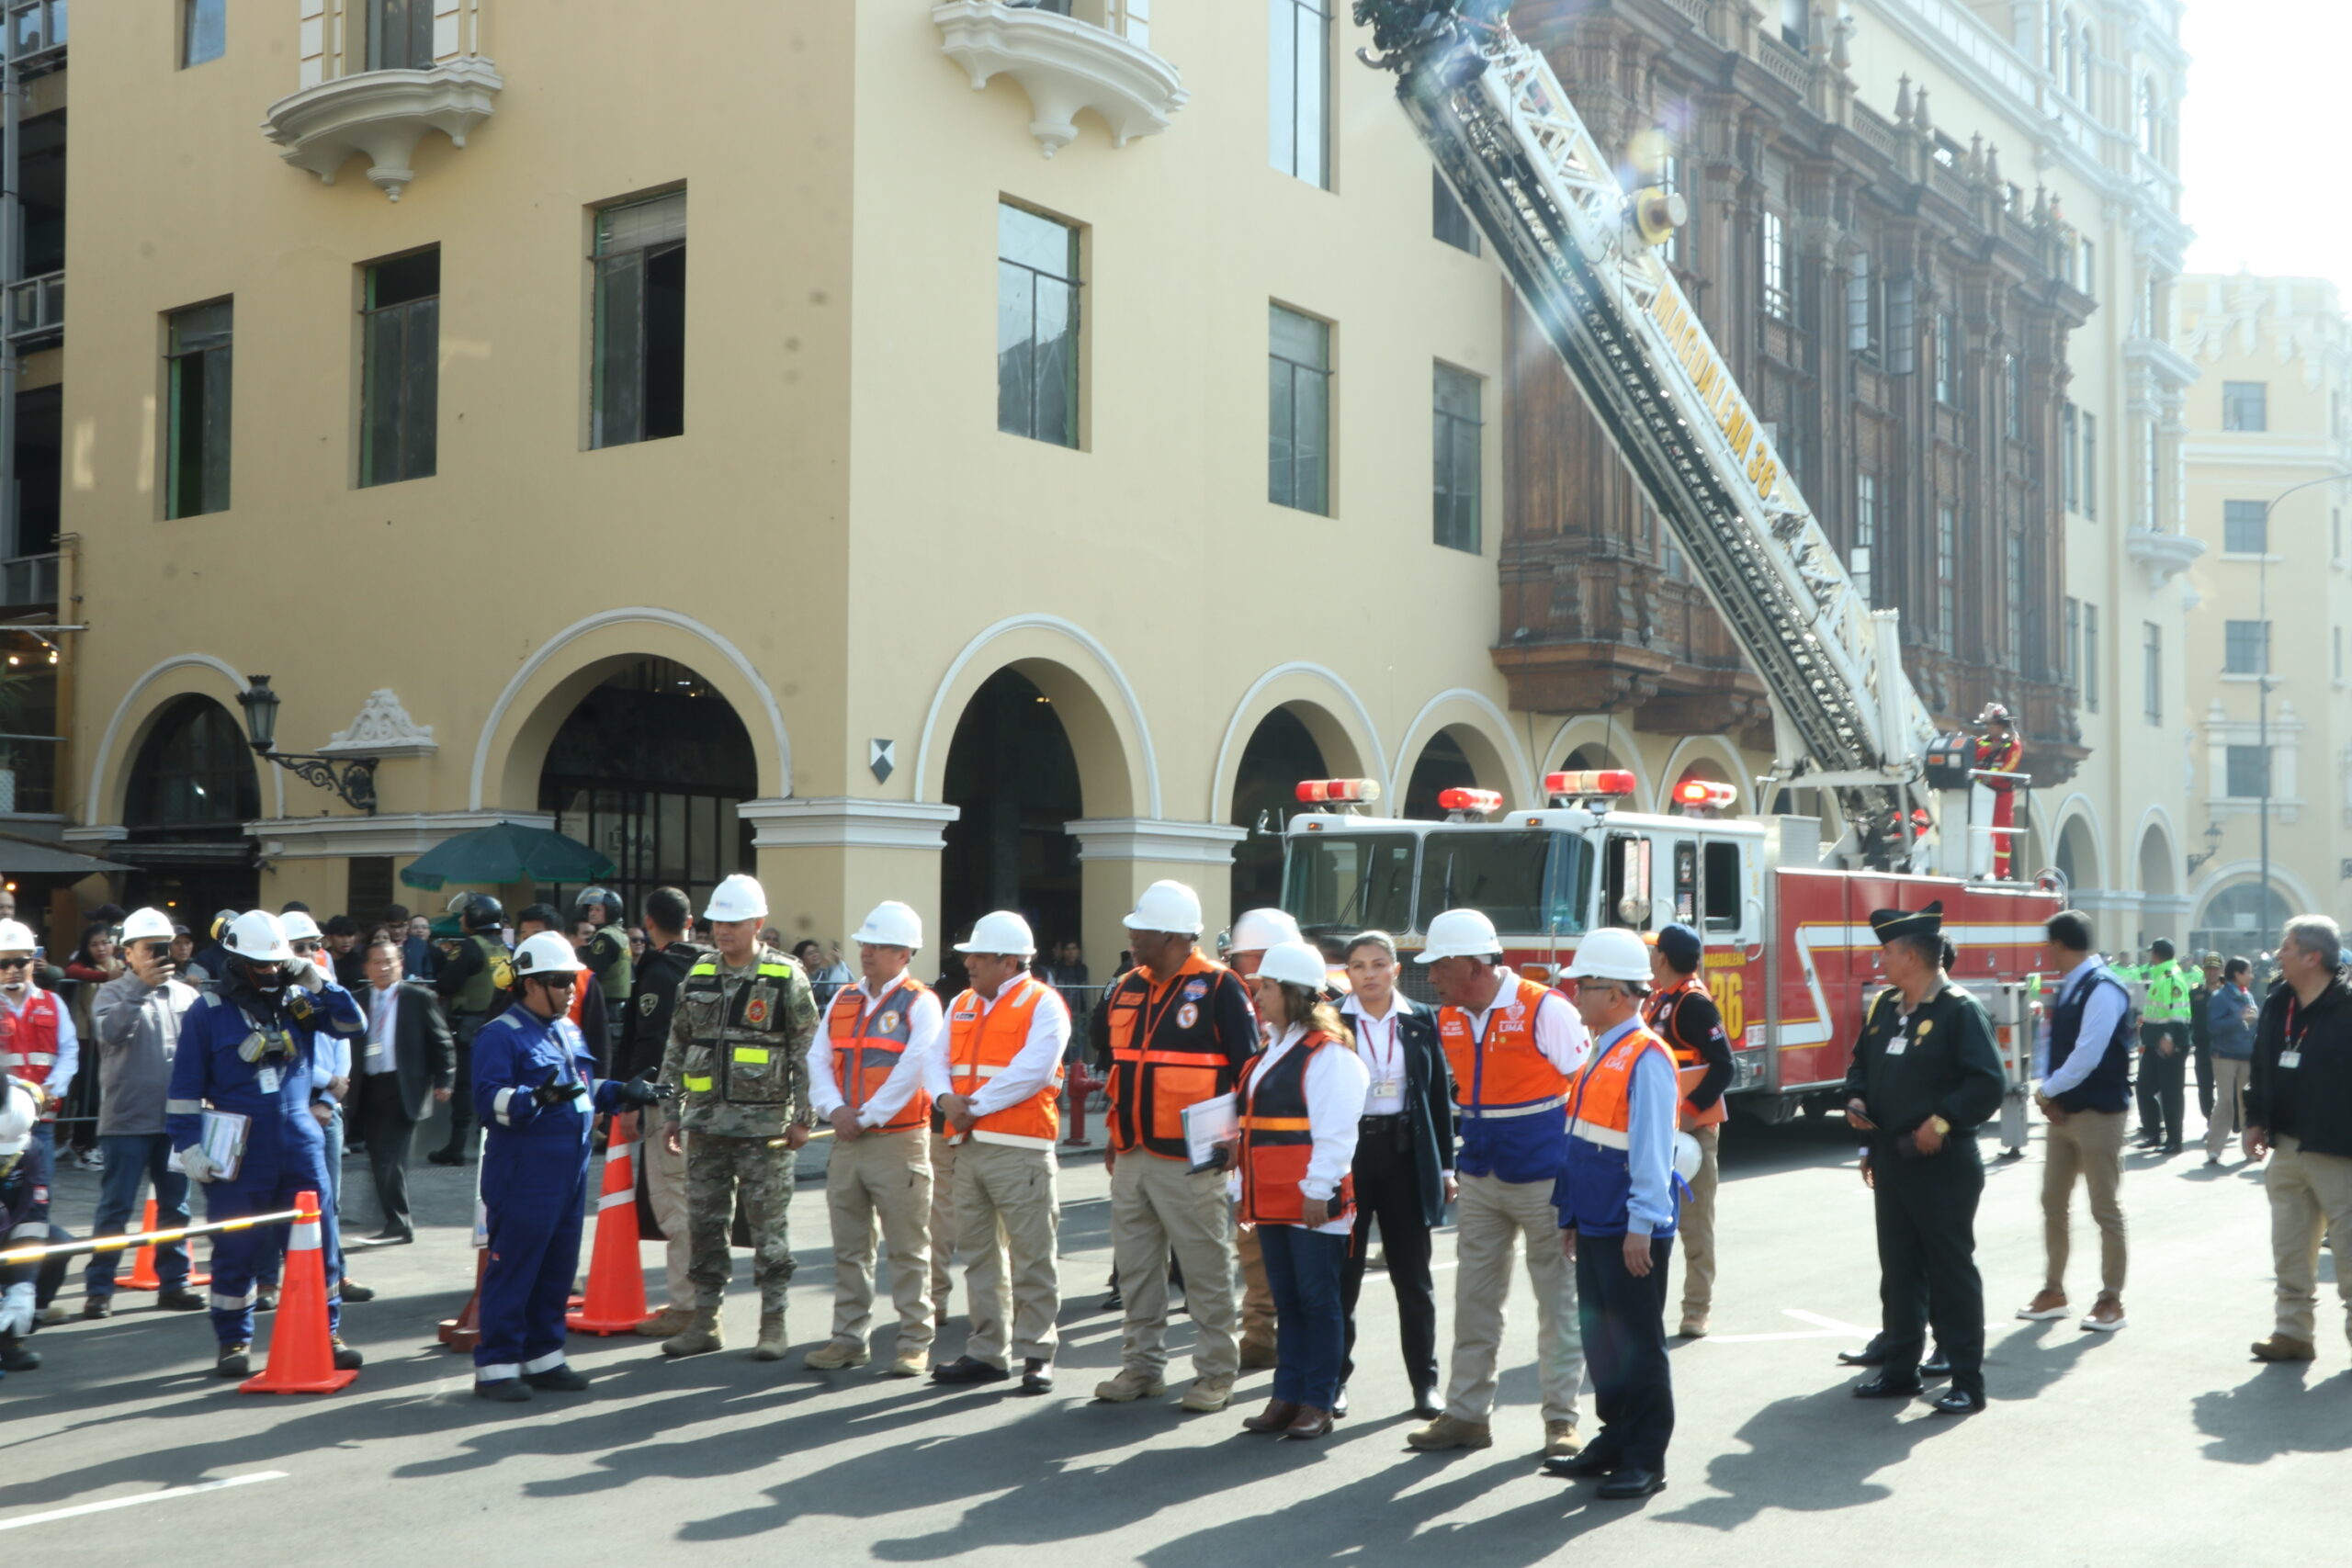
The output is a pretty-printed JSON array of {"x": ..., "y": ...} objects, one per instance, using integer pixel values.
[{"x": 28, "y": 1043}]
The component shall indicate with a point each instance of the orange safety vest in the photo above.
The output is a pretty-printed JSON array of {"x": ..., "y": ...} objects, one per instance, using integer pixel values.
[
  {"x": 982, "y": 1042},
  {"x": 1504, "y": 1074},
  {"x": 867, "y": 1045},
  {"x": 1660, "y": 1012},
  {"x": 1166, "y": 1054},
  {"x": 1278, "y": 1140},
  {"x": 29, "y": 1044},
  {"x": 1599, "y": 1135}
]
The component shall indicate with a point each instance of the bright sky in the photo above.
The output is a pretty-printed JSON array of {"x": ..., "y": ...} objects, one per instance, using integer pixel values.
[{"x": 2262, "y": 134}]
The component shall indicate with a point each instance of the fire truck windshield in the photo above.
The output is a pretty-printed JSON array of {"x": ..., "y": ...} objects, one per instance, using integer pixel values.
[
  {"x": 1351, "y": 881},
  {"x": 1523, "y": 882}
]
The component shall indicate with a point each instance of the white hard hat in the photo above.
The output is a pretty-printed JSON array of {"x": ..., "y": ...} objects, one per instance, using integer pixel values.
[
  {"x": 546, "y": 953},
  {"x": 1294, "y": 963},
  {"x": 19, "y": 1114},
  {"x": 148, "y": 925},
  {"x": 893, "y": 924},
  {"x": 257, "y": 937},
  {"x": 1167, "y": 907},
  {"x": 298, "y": 927},
  {"x": 1462, "y": 933},
  {"x": 1259, "y": 929},
  {"x": 16, "y": 937},
  {"x": 738, "y": 897},
  {"x": 997, "y": 931},
  {"x": 1612, "y": 953},
  {"x": 1686, "y": 1156}
]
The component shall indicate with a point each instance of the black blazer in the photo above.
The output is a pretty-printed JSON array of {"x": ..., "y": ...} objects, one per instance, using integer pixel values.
[
  {"x": 1429, "y": 1100},
  {"x": 425, "y": 1056}
]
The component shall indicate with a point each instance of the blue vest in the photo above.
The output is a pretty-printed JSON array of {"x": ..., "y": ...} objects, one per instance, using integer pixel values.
[{"x": 2110, "y": 1086}]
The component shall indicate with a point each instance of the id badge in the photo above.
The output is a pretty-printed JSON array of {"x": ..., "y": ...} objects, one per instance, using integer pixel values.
[
  {"x": 268, "y": 1079},
  {"x": 1896, "y": 1046},
  {"x": 1387, "y": 1089},
  {"x": 2289, "y": 1060}
]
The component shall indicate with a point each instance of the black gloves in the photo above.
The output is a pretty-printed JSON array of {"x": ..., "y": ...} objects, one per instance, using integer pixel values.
[
  {"x": 554, "y": 1092},
  {"x": 641, "y": 1090}
]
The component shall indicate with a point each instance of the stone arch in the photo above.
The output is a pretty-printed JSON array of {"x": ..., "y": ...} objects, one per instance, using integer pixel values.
[
  {"x": 1334, "y": 716},
  {"x": 2155, "y": 865},
  {"x": 2075, "y": 850},
  {"x": 1711, "y": 757},
  {"x": 1606, "y": 742},
  {"x": 2236, "y": 882},
  {"x": 1482, "y": 732},
  {"x": 183, "y": 674},
  {"x": 1100, "y": 713},
  {"x": 522, "y": 724}
]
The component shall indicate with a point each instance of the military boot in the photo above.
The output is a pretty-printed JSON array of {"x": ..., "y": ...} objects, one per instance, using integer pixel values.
[
  {"x": 705, "y": 1332},
  {"x": 772, "y": 1342}
]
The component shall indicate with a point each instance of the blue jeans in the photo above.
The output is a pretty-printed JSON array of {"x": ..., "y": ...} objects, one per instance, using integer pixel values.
[
  {"x": 1311, "y": 1331},
  {"x": 133, "y": 1157}
]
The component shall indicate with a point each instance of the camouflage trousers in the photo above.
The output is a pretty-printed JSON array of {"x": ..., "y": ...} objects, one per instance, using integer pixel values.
[{"x": 718, "y": 1170}]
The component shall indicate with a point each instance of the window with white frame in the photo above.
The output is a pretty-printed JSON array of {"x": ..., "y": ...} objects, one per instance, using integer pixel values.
[{"x": 1298, "y": 71}]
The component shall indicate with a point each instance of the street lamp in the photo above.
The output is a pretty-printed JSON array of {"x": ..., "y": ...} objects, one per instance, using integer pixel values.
[
  {"x": 352, "y": 779},
  {"x": 2262, "y": 681}
]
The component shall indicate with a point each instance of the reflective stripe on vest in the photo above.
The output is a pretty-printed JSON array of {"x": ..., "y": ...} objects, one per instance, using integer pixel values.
[
  {"x": 29, "y": 1044},
  {"x": 868, "y": 1045},
  {"x": 982, "y": 1042},
  {"x": 1278, "y": 1139},
  {"x": 1599, "y": 1181},
  {"x": 1165, "y": 1054},
  {"x": 1658, "y": 1010}
]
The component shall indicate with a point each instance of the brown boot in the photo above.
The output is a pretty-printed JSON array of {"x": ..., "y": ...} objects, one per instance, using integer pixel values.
[
  {"x": 1308, "y": 1423},
  {"x": 1256, "y": 1357},
  {"x": 771, "y": 1343},
  {"x": 703, "y": 1333},
  {"x": 2284, "y": 1348},
  {"x": 666, "y": 1324},
  {"x": 1277, "y": 1417},
  {"x": 1451, "y": 1432}
]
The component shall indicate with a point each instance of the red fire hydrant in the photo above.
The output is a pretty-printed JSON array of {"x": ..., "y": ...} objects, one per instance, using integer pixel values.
[{"x": 1078, "y": 1086}]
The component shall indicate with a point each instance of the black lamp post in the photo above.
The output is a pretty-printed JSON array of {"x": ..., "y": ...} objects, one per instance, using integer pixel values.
[{"x": 353, "y": 779}]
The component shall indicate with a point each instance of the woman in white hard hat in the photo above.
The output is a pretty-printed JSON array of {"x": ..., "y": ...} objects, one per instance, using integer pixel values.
[
  {"x": 1300, "y": 1103},
  {"x": 1244, "y": 947}
]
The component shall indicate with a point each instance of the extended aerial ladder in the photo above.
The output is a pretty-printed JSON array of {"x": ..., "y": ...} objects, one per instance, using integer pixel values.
[{"x": 1582, "y": 252}]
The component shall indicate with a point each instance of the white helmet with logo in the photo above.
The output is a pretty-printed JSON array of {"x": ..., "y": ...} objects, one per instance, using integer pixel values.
[
  {"x": 16, "y": 937},
  {"x": 893, "y": 924},
  {"x": 1294, "y": 963},
  {"x": 19, "y": 1114},
  {"x": 1612, "y": 953},
  {"x": 1461, "y": 933},
  {"x": 1259, "y": 929},
  {"x": 546, "y": 953},
  {"x": 738, "y": 897},
  {"x": 148, "y": 925},
  {"x": 257, "y": 937},
  {"x": 1167, "y": 907},
  {"x": 1002, "y": 932}
]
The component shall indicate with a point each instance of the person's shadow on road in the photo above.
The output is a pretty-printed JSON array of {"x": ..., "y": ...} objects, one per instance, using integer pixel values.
[{"x": 2273, "y": 1413}]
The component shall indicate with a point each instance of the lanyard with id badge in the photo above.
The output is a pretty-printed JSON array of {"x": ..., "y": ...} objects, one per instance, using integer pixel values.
[
  {"x": 1388, "y": 1075},
  {"x": 2291, "y": 1056}
]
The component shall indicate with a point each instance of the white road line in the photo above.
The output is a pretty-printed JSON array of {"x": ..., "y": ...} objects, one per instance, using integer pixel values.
[
  {"x": 112, "y": 1502},
  {"x": 1817, "y": 1320},
  {"x": 1792, "y": 1334}
]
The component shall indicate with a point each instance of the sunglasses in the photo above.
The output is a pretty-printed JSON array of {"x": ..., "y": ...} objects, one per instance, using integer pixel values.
[
  {"x": 305, "y": 945},
  {"x": 8, "y": 963}
]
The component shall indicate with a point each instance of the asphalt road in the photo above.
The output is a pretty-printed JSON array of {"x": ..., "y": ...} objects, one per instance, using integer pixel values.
[{"x": 2153, "y": 1444}]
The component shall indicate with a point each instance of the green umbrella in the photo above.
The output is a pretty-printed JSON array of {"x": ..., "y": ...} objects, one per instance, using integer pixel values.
[{"x": 503, "y": 852}]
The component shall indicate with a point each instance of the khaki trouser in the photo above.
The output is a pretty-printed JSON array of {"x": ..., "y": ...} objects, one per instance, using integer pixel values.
[
  {"x": 1157, "y": 1206},
  {"x": 2228, "y": 1117},
  {"x": 944, "y": 1224},
  {"x": 1696, "y": 1227},
  {"x": 1492, "y": 1216},
  {"x": 665, "y": 1194},
  {"x": 2310, "y": 1195},
  {"x": 886, "y": 1175},
  {"x": 1256, "y": 1294},
  {"x": 1008, "y": 1221},
  {"x": 2089, "y": 1144}
]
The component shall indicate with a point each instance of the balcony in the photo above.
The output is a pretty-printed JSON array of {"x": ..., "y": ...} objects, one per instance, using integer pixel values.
[
  {"x": 35, "y": 35},
  {"x": 36, "y": 312},
  {"x": 2161, "y": 556},
  {"x": 347, "y": 106},
  {"x": 1098, "y": 59},
  {"x": 27, "y": 581}
]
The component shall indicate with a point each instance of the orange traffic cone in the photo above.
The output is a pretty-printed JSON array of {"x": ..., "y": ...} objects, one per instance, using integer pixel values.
[
  {"x": 141, "y": 1275},
  {"x": 301, "y": 1351},
  {"x": 616, "y": 1299}
]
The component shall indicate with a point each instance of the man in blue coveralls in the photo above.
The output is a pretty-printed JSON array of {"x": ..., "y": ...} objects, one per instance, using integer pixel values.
[
  {"x": 247, "y": 1047},
  {"x": 535, "y": 1086}
]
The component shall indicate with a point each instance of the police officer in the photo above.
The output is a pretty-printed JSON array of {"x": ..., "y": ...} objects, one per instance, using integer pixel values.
[
  {"x": 644, "y": 1035},
  {"x": 26, "y": 1287},
  {"x": 745, "y": 1016},
  {"x": 1679, "y": 1011},
  {"x": 472, "y": 986},
  {"x": 1925, "y": 1075},
  {"x": 2164, "y": 1048},
  {"x": 247, "y": 1048},
  {"x": 607, "y": 957},
  {"x": 536, "y": 1078}
]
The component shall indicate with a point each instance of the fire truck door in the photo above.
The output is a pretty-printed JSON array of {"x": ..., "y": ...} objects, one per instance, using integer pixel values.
[{"x": 1626, "y": 882}]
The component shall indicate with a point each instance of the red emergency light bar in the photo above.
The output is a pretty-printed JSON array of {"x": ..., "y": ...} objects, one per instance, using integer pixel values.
[
  {"x": 1706, "y": 794},
  {"x": 1591, "y": 782},
  {"x": 1334, "y": 792},
  {"x": 1477, "y": 800}
]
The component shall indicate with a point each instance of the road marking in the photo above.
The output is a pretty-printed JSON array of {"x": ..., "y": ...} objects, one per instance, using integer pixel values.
[
  {"x": 1829, "y": 1329},
  {"x": 1820, "y": 1322},
  {"x": 112, "y": 1502}
]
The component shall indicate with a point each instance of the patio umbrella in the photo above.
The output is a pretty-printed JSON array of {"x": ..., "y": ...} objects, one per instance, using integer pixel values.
[{"x": 507, "y": 852}]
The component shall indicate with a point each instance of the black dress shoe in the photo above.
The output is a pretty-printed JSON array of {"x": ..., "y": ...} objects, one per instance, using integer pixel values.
[
  {"x": 1036, "y": 1375},
  {"x": 1868, "y": 1356},
  {"x": 1632, "y": 1483},
  {"x": 451, "y": 1156},
  {"x": 15, "y": 1358},
  {"x": 965, "y": 1370},
  {"x": 352, "y": 1292},
  {"x": 390, "y": 1238},
  {"x": 1114, "y": 1303},
  {"x": 1961, "y": 1402},
  {"x": 1884, "y": 1387},
  {"x": 1936, "y": 1366},
  {"x": 560, "y": 1379},
  {"x": 1340, "y": 1403},
  {"x": 506, "y": 1390},
  {"x": 1592, "y": 1462},
  {"x": 170, "y": 1301},
  {"x": 96, "y": 1306},
  {"x": 1425, "y": 1405}
]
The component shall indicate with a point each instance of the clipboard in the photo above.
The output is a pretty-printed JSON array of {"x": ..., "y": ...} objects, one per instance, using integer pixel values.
[{"x": 1207, "y": 1124}]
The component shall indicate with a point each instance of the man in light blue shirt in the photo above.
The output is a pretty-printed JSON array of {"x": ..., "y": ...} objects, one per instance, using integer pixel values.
[{"x": 2083, "y": 1056}]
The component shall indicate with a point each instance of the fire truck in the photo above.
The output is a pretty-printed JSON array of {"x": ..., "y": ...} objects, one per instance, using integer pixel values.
[{"x": 1781, "y": 902}]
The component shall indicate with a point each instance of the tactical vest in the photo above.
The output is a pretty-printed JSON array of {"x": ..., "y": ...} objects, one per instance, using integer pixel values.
[
  {"x": 486, "y": 987},
  {"x": 738, "y": 1050},
  {"x": 1165, "y": 1054}
]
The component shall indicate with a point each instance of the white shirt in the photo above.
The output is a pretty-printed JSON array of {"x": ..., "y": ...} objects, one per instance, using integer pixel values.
[
  {"x": 926, "y": 1040},
  {"x": 1559, "y": 1033},
  {"x": 2101, "y": 1015},
  {"x": 383, "y": 1025},
  {"x": 1381, "y": 1052},
  {"x": 69, "y": 1042},
  {"x": 1335, "y": 1088},
  {"x": 1031, "y": 1068}
]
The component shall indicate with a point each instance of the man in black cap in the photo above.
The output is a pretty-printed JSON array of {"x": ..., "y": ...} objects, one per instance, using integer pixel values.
[{"x": 1925, "y": 1075}]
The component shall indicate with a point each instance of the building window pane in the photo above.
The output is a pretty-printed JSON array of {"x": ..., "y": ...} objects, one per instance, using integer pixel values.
[
  {"x": 2014, "y": 597},
  {"x": 2249, "y": 773},
  {"x": 1776, "y": 268},
  {"x": 1036, "y": 326},
  {"x": 2071, "y": 650},
  {"x": 1947, "y": 576},
  {"x": 1449, "y": 220},
  {"x": 1456, "y": 457},
  {"x": 196, "y": 387},
  {"x": 204, "y": 30},
  {"x": 639, "y": 387},
  {"x": 401, "y": 353},
  {"x": 1861, "y": 321},
  {"x": 400, "y": 35},
  {"x": 2246, "y": 528},
  {"x": 2070, "y": 456},
  {"x": 1946, "y": 384},
  {"x": 1857, "y": 558},
  {"x": 2151, "y": 653},
  {"x": 1298, "y": 72},
  {"x": 2090, "y": 656},
  {"x": 2245, "y": 647},
  {"x": 2245, "y": 405},
  {"x": 1298, "y": 432},
  {"x": 2013, "y": 397},
  {"x": 2090, "y": 465}
]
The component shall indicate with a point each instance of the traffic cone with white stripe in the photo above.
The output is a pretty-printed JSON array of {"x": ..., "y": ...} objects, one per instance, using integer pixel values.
[
  {"x": 301, "y": 1347},
  {"x": 616, "y": 1299},
  {"x": 141, "y": 1275}
]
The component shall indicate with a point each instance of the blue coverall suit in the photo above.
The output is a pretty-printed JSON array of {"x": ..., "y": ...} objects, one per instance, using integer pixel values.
[
  {"x": 534, "y": 1182},
  {"x": 285, "y": 1148}
]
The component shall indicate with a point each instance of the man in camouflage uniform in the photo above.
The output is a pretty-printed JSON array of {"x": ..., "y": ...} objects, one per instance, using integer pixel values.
[{"x": 738, "y": 1044}]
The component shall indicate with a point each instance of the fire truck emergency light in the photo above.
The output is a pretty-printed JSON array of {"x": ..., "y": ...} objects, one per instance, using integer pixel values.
[
  {"x": 1590, "y": 780},
  {"x": 1478, "y": 800},
  {"x": 1326, "y": 792},
  {"x": 1706, "y": 794}
]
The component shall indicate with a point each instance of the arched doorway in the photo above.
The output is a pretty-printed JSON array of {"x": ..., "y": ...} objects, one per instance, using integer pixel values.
[
  {"x": 2077, "y": 857},
  {"x": 1281, "y": 753},
  {"x": 193, "y": 788},
  {"x": 1013, "y": 777},
  {"x": 649, "y": 767},
  {"x": 1442, "y": 765},
  {"x": 1707, "y": 770},
  {"x": 2241, "y": 921}
]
